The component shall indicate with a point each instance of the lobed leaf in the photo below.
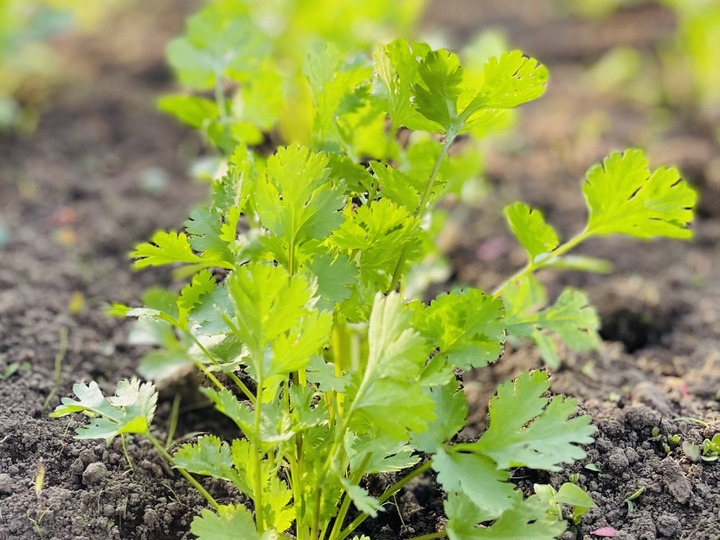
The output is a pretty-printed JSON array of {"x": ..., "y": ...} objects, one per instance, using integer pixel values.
[
  {"x": 526, "y": 431},
  {"x": 529, "y": 227},
  {"x": 625, "y": 197},
  {"x": 231, "y": 522}
]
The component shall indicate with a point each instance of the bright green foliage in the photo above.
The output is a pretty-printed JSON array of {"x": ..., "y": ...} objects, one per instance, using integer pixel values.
[
  {"x": 231, "y": 522},
  {"x": 624, "y": 196},
  {"x": 529, "y": 227},
  {"x": 130, "y": 410},
  {"x": 306, "y": 339},
  {"x": 527, "y": 431},
  {"x": 468, "y": 328}
]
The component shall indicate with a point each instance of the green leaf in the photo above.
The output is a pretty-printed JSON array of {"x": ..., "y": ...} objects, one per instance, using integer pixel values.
[
  {"x": 468, "y": 327},
  {"x": 571, "y": 317},
  {"x": 450, "y": 416},
  {"x": 527, "y": 518},
  {"x": 437, "y": 93},
  {"x": 296, "y": 201},
  {"x": 529, "y": 227},
  {"x": 232, "y": 522},
  {"x": 208, "y": 235},
  {"x": 573, "y": 495},
  {"x": 335, "y": 277},
  {"x": 396, "y": 186},
  {"x": 268, "y": 302},
  {"x": 191, "y": 110},
  {"x": 511, "y": 80},
  {"x": 378, "y": 231},
  {"x": 165, "y": 248},
  {"x": 623, "y": 196},
  {"x": 226, "y": 403},
  {"x": 202, "y": 283},
  {"x": 363, "y": 501},
  {"x": 387, "y": 397},
  {"x": 478, "y": 477},
  {"x": 130, "y": 410},
  {"x": 209, "y": 457},
  {"x": 526, "y": 431},
  {"x": 396, "y": 67}
]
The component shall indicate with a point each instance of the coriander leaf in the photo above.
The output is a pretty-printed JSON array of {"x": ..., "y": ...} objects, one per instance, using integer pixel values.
[
  {"x": 526, "y": 431},
  {"x": 335, "y": 278},
  {"x": 191, "y": 110},
  {"x": 468, "y": 327},
  {"x": 386, "y": 398},
  {"x": 438, "y": 89},
  {"x": 296, "y": 201},
  {"x": 356, "y": 177},
  {"x": 279, "y": 512},
  {"x": 450, "y": 415},
  {"x": 379, "y": 454},
  {"x": 509, "y": 81},
  {"x": 571, "y": 317},
  {"x": 232, "y": 522},
  {"x": 209, "y": 456},
  {"x": 396, "y": 186},
  {"x": 202, "y": 283},
  {"x": 378, "y": 231},
  {"x": 226, "y": 403},
  {"x": 363, "y": 501},
  {"x": 268, "y": 302},
  {"x": 396, "y": 67},
  {"x": 234, "y": 188},
  {"x": 529, "y": 227},
  {"x": 205, "y": 227},
  {"x": 623, "y": 196},
  {"x": 527, "y": 518},
  {"x": 165, "y": 248},
  {"x": 131, "y": 410},
  {"x": 478, "y": 477}
]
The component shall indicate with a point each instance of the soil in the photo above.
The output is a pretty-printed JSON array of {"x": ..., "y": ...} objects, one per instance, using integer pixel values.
[{"x": 103, "y": 171}]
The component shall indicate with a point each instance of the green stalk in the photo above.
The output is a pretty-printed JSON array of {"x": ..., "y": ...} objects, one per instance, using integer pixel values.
[
  {"x": 419, "y": 212},
  {"x": 259, "y": 518},
  {"x": 159, "y": 447},
  {"x": 533, "y": 266},
  {"x": 441, "y": 534},
  {"x": 389, "y": 492},
  {"x": 340, "y": 518}
]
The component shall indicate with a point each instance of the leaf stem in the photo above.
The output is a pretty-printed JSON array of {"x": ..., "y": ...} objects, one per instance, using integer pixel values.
[
  {"x": 419, "y": 212},
  {"x": 340, "y": 518},
  {"x": 389, "y": 492},
  {"x": 159, "y": 447},
  {"x": 532, "y": 266},
  {"x": 259, "y": 518},
  {"x": 439, "y": 534}
]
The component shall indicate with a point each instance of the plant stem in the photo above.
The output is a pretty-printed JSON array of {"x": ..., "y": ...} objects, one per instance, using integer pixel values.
[
  {"x": 389, "y": 492},
  {"x": 533, "y": 266},
  {"x": 258, "y": 499},
  {"x": 244, "y": 389},
  {"x": 159, "y": 447},
  {"x": 220, "y": 98},
  {"x": 340, "y": 518},
  {"x": 419, "y": 212},
  {"x": 440, "y": 534}
]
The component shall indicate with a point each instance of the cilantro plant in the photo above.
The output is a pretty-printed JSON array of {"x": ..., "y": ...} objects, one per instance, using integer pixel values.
[{"x": 307, "y": 339}]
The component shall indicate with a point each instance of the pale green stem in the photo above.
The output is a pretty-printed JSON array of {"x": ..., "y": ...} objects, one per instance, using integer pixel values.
[
  {"x": 340, "y": 518},
  {"x": 259, "y": 517},
  {"x": 419, "y": 212},
  {"x": 187, "y": 475},
  {"x": 534, "y": 266},
  {"x": 389, "y": 492}
]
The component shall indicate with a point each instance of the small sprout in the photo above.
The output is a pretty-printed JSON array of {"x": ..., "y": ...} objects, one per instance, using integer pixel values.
[
  {"x": 655, "y": 432},
  {"x": 574, "y": 478},
  {"x": 674, "y": 439},
  {"x": 666, "y": 448},
  {"x": 592, "y": 467},
  {"x": 629, "y": 500},
  {"x": 692, "y": 451}
]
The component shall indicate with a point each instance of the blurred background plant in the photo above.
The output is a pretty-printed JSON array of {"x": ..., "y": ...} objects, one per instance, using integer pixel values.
[{"x": 28, "y": 64}]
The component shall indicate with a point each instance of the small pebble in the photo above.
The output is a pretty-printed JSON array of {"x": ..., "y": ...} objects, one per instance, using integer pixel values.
[{"x": 94, "y": 473}]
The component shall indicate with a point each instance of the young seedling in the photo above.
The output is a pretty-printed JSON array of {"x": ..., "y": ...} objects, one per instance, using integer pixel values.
[
  {"x": 309, "y": 344},
  {"x": 629, "y": 499}
]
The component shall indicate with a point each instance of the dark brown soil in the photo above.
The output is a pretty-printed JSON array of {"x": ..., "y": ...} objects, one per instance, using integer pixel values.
[{"x": 73, "y": 202}]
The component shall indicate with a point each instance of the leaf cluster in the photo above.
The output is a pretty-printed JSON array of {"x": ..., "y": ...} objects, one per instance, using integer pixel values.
[{"x": 306, "y": 338}]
